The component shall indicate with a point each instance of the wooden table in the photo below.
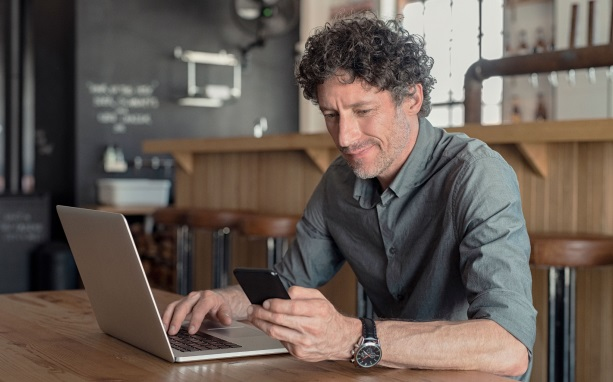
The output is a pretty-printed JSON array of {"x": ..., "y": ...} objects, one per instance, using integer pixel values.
[{"x": 53, "y": 336}]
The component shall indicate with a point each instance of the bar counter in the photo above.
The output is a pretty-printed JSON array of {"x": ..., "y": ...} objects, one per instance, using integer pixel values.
[{"x": 565, "y": 172}]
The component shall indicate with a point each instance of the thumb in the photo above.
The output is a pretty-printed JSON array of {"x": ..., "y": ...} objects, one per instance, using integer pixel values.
[
  {"x": 224, "y": 315},
  {"x": 298, "y": 292}
]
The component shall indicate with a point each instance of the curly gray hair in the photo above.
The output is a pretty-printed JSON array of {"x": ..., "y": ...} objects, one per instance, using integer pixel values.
[{"x": 381, "y": 53}]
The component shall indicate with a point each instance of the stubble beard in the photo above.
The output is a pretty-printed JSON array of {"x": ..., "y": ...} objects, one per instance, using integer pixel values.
[{"x": 398, "y": 141}]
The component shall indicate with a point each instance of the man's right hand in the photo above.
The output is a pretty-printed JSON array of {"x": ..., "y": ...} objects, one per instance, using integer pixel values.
[{"x": 201, "y": 304}]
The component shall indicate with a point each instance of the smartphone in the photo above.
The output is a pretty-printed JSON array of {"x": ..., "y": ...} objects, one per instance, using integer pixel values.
[{"x": 260, "y": 284}]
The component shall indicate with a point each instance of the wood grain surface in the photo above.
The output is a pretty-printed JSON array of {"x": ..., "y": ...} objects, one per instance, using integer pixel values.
[{"x": 53, "y": 336}]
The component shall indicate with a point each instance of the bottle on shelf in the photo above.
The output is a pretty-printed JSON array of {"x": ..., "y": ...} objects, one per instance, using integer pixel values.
[
  {"x": 515, "y": 110},
  {"x": 552, "y": 44},
  {"x": 540, "y": 45},
  {"x": 541, "y": 110},
  {"x": 508, "y": 51},
  {"x": 523, "y": 48}
]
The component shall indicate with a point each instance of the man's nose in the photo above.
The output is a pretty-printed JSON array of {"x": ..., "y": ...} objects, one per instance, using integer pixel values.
[{"x": 348, "y": 131}]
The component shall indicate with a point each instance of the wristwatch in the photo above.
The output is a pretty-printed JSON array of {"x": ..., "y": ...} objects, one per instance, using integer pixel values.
[{"x": 367, "y": 352}]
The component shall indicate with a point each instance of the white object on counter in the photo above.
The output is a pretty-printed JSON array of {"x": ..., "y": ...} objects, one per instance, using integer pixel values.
[{"x": 133, "y": 192}]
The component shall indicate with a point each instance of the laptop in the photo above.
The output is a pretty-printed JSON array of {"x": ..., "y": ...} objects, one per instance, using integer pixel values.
[{"x": 123, "y": 304}]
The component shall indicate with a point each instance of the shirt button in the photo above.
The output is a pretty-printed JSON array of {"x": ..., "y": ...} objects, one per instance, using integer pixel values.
[
  {"x": 393, "y": 250},
  {"x": 399, "y": 297}
]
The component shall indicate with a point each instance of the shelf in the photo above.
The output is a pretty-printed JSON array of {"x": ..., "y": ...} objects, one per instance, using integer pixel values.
[{"x": 530, "y": 138}]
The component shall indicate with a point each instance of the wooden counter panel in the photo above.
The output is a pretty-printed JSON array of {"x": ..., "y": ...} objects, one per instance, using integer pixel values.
[
  {"x": 576, "y": 196},
  {"x": 267, "y": 182},
  {"x": 271, "y": 182}
]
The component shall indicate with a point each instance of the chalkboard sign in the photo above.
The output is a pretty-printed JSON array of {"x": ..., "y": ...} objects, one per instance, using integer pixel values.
[
  {"x": 24, "y": 225},
  {"x": 128, "y": 81}
]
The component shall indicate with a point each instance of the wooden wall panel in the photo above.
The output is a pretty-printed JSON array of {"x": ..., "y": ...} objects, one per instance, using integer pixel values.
[
  {"x": 594, "y": 324},
  {"x": 576, "y": 196},
  {"x": 277, "y": 182}
]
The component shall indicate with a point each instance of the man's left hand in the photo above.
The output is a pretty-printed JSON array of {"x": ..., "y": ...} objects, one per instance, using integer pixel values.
[{"x": 308, "y": 325}]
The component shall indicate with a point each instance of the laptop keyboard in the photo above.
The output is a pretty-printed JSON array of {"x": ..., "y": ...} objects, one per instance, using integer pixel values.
[{"x": 185, "y": 342}]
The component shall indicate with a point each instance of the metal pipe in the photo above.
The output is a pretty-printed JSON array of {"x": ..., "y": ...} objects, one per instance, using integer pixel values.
[
  {"x": 580, "y": 58},
  {"x": 14, "y": 86},
  {"x": 573, "y": 26},
  {"x": 590, "y": 24},
  {"x": 611, "y": 26}
]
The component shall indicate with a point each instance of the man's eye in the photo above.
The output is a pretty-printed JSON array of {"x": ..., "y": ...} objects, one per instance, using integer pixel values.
[
  {"x": 330, "y": 115},
  {"x": 362, "y": 112}
]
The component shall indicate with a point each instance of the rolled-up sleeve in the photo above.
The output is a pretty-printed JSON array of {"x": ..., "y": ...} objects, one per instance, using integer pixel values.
[{"x": 495, "y": 247}]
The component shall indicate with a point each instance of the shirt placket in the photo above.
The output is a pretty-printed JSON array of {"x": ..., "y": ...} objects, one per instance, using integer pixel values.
[{"x": 394, "y": 266}]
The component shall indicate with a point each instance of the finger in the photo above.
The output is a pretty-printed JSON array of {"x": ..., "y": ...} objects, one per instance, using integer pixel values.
[
  {"x": 203, "y": 307},
  {"x": 264, "y": 318},
  {"x": 224, "y": 315},
  {"x": 298, "y": 292},
  {"x": 182, "y": 308},
  {"x": 297, "y": 307},
  {"x": 257, "y": 316},
  {"x": 168, "y": 312}
]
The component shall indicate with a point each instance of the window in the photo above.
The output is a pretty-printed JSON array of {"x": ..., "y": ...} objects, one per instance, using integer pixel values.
[{"x": 451, "y": 30}]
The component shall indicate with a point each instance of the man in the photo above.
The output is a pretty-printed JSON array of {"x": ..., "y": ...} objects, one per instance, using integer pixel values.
[{"x": 430, "y": 222}]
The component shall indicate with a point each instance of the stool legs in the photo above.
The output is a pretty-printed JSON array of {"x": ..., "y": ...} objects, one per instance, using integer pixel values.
[
  {"x": 561, "y": 325},
  {"x": 276, "y": 247},
  {"x": 184, "y": 260},
  {"x": 221, "y": 257}
]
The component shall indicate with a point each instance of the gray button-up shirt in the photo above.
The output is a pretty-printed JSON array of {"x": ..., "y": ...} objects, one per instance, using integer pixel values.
[{"x": 446, "y": 241}]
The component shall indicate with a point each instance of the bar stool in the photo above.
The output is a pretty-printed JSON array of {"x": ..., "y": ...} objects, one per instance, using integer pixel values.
[
  {"x": 562, "y": 254},
  {"x": 276, "y": 229},
  {"x": 174, "y": 217},
  {"x": 219, "y": 223}
]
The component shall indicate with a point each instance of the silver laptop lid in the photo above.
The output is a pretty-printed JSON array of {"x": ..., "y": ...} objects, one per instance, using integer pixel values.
[
  {"x": 109, "y": 266},
  {"x": 122, "y": 300}
]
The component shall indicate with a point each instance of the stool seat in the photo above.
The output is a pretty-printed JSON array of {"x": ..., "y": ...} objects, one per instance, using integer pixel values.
[
  {"x": 170, "y": 216},
  {"x": 571, "y": 250},
  {"x": 269, "y": 225},
  {"x": 276, "y": 229},
  {"x": 214, "y": 219},
  {"x": 562, "y": 254}
]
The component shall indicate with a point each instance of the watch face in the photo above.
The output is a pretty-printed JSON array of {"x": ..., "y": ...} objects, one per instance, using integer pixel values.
[{"x": 368, "y": 355}]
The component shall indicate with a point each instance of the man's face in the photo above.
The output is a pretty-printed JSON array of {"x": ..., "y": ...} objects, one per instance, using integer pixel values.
[{"x": 370, "y": 130}]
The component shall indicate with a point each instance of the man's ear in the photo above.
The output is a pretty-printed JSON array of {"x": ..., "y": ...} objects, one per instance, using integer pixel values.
[{"x": 412, "y": 103}]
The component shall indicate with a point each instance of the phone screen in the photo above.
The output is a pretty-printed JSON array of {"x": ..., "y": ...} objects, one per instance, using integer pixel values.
[{"x": 260, "y": 284}]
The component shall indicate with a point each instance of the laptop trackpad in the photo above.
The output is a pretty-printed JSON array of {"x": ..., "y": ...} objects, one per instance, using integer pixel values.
[{"x": 235, "y": 330}]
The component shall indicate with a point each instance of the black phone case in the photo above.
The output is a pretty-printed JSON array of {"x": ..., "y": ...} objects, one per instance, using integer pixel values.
[{"x": 260, "y": 284}]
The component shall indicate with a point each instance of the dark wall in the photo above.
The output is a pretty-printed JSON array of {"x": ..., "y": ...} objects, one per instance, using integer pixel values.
[
  {"x": 4, "y": 30},
  {"x": 37, "y": 39},
  {"x": 44, "y": 123},
  {"x": 53, "y": 36},
  {"x": 126, "y": 48}
]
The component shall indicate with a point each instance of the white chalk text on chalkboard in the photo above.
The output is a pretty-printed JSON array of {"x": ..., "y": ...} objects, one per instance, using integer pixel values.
[
  {"x": 21, "y": 226},
  {"x": 123, "y": 105}
]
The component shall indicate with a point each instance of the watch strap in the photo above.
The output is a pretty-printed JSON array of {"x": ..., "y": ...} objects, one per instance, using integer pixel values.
[{"x": 369, "y": 329}]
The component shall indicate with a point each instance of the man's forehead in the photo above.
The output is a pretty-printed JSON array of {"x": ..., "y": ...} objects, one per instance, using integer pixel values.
[{"x": 355, "y": 89}]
